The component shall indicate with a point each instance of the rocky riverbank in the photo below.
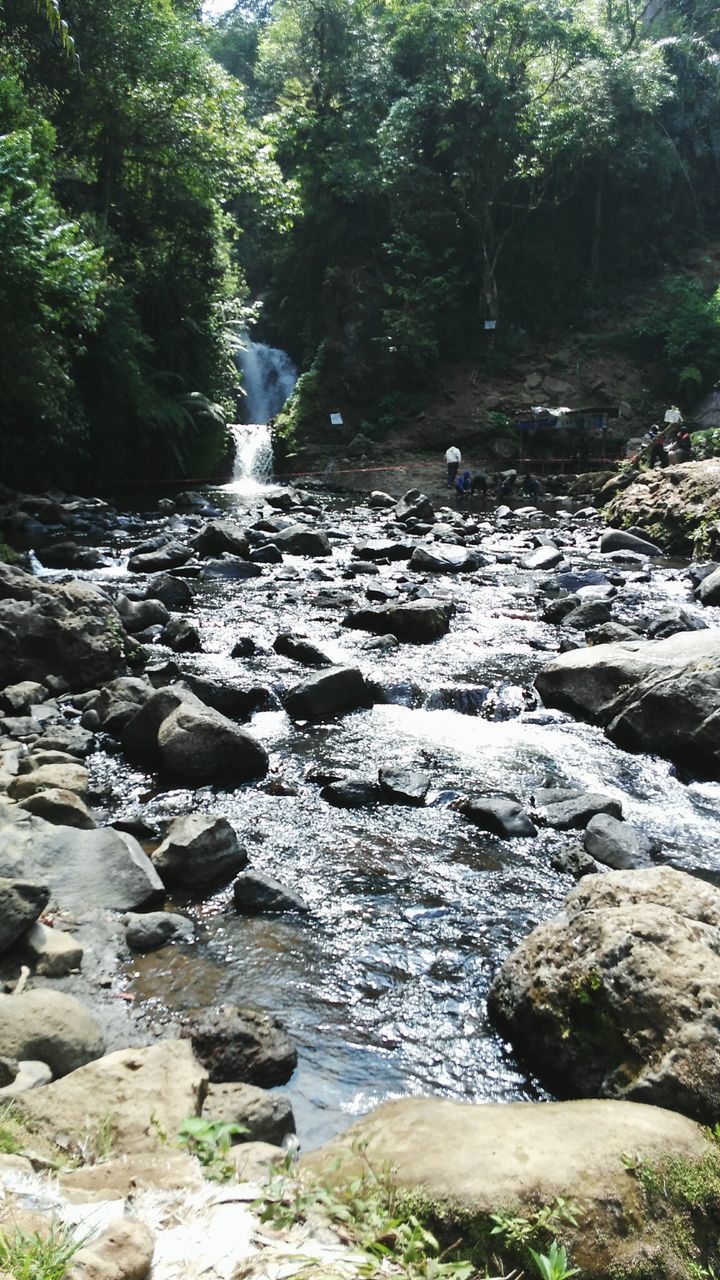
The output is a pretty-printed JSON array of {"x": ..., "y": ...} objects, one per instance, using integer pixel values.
[{"x": 206, "y": 658}]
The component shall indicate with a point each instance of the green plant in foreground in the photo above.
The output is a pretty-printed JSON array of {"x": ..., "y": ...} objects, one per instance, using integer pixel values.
[
  {"x": 553, "y": 1265},
  {"x": 210, "y": 1141},
  {"x": 28, "y": 1256}
]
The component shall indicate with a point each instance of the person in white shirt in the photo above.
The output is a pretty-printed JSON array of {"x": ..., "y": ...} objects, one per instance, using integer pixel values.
[{"x": 453, "y": 457}]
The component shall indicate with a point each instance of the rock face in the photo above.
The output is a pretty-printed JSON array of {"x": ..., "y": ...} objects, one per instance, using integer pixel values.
[
  {"x": 417, "y": 621},
  {"x": 197, "y": 745},
  {"x": 241, "y": 1045},
  {"x": 69, "y": 629},
  {"x": 651, "y": 695},
  {"x": 49, "y": 1026},
  {"x": 679, "y": 505},
  {"x": 147, "y": 1092},
  {"x": 619, "y": 995},
  {"x": 85, "y": 870},
  {"x": 329, "y": 693},
  {"x": 517, "y": 1156}
]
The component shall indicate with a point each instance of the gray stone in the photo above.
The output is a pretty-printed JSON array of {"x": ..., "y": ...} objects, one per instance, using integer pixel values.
[
  {"x": 181, "y": 636},
  {"x": 300, "y": 650},
  {"x": 709, "y": 589},
  {"x": 417, "y": 621},
  {"x": 352, "y": 793},
  {"x": 170, "y": 556},
  {"x": 174, "y": 593},
  {"x": 59, "y": 806},
  {"x": 498, "y": 815},
  {"x": 620, "y": 540},
  {"x": 445, "y": 559},
  {"x": 21, "y": 902},
  {"x": 50, "y": 1026},
  {"x": 618, "y": 844},
  {"x": 242, "y": 1045},
  {"x": 19, "y": 698},
  {"x": 138, "y": 614},
  {"x": 221, "y": 536},
  {"x": 52, "y": 952},
  {"x": 563, "y": 811},
  {"x": 70, "y": 738},
  {"x": 146, "y": 932},
  {"x": 591, "y": 613},
  {"x": 255, "y": 893},
  {"x": 331, "y": 692},
  {"x": 403, "y": 786},
  {"x": 414, "y": 505},
  {"x": 298, "y": 540},
  {"x": 543, "y": 558},
  {"x": 380, "y": 501},
  {"x": 266, "y": 1117},
  {"x": 198, "y": 745},
  {"x": 199, "y": 851},
  {"x": 383, "y": 551}
]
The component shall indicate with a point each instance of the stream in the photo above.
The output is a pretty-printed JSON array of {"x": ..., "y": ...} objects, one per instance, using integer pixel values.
[{"x": 383, "y": 987}]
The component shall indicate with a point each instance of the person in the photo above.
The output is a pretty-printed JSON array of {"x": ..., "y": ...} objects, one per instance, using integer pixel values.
[
  {"x": 479, "y": 484},
  {"x": 682, "y": 444},
  {"x": 507, "y": 484},
  {"x": 531, "y": 485},
  {"x": 462, "y": 485},
  {"x": 658, "y": 453},
  {"x": 453, "y": 457}
]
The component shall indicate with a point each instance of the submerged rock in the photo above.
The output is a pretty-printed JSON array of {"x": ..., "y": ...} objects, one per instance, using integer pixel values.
[
  {"x": 619, "y": 995},
  {"x": 255, "y": 893},
  {"x": 156, "y": 928}
]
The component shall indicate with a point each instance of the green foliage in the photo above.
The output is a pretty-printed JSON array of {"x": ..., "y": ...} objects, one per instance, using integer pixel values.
[
  {"x": 210, "y": 1141},
  {"x": 706, "y": 444},
  {"x": 32, "y": 1256},
  {"x": 553, "y": 1265},
  {"x": 683, "y": 331},
  {"x": 7, "y": 555},
  {"x": 686, "y": 1195}
]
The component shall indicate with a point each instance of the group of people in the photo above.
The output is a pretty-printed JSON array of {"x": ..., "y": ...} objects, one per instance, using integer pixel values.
[
  {"x": 678, "y": 450},
  {"x": 466, "y": 485}
]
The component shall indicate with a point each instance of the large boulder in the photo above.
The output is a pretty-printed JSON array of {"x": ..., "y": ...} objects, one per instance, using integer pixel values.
[
  {"x": 298, "y": 540},
  {"x": 619, "y": 995},
  {"x": 463, "y": 1163},
  {"x": 221, "y": 536},
  {"x": 85, "y": 870},
  {"x": 709, "y": 589},
  {"x": 416, "y": 621},
  {"x": 171, "y": 555},
  {"x": 198, "y": 851},
  {"x": 241, "y": 1045},
  {"x": 680, "y": 505},
  {"x": 328, "y": 693},
  {"x": 49, "y": 1026},
  {"x": 70, "y": 629},
  {"x": 197, "y": 745},
  {"x": 444, "y": 559},
  {"x": 21, "y": 902},
  {"x": 651, "y": 695},
  {"x": 145, "y": 1094},
  {"x": 414, "y": 505},
  {"x": 264, "y": 1116}
]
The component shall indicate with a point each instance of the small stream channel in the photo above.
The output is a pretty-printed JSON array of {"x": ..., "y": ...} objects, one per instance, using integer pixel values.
[{"x": 383, "y": 987}]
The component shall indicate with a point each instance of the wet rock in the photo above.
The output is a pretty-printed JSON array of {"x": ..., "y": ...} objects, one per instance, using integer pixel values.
[
  {"x": 69, "y": 628},
  {"x": 709, "y": 589},
  {"x": 559, "y": 609},
  {"x": 498, "y": 815},
  {"x": 170, "y": 556},
  {"x": 414, "y": 505},
  {"x": 618, "y": 844},
  {"x": 138, "y": 614},
  {"x": 241, "y": 1045},
  {"x": 403, "y": 786},
  {"x": 671, "y": 621},
  {"x": 380, "y": 501},
  {"x": 243, "y": 648},
  {"x": 86, "y": 870},
  {"x": 221, "y": 536},
  {"x": 255, "y": 893},
  {"x": 269, "y": 554},
  {"x": 147, "y": 1092},
  {"x": 651, "y": 695},
  {"x": 298, "y": 540},
  {"x": 49, "y": 1026},
  {"x": 352, "y": 793},
  {"x": 198, "y": 851},
  {"x": 236, "y": 701},
  {"x": 611, "y": 633},
  {"x": 68, "y": 555},
  {"x": 197, "y": 745},
  {"x": 283, "y": 499},
  {"x": 123, "y": 1251},
  {"x": 590, "y": 613},
  {"x": 59, "y": 806},
  {"x": 383, "y": 551},
  {"x": 53, "y": 952},
  {"x": 147, "y": 932},
  {"x": 414, "y": 621},
  {"x": 174, "y": 593},
  {"x": 574, "y": 862},
  {"x": 182, "y": 636},
  {"x": 65, "y": 777},
  {"x": 543, "y": 558},
  {"x": 445, "y": 559},
  {"x": 300, "y": 650},
  {"x": 70, "y": 738},
  {"x": 266, "y": 1117},
  {"x": 21, "y": 902},
  {"x": 329, "y": 693},
  {"x": 620, "y": 540},
  {"x": 565, "y": 810},
  {"x": 674, "y": 501},
  {"x": 618, "y": 995},
  {"x": 382, "y": 644},
  {"x": 232, "y": 568},
  {"x": 140, "y": 733}
]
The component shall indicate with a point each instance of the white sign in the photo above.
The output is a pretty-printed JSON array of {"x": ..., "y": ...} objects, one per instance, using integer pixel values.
[
  {"x": 490, "y": 324},
  {"x": 336, "y": 420}
]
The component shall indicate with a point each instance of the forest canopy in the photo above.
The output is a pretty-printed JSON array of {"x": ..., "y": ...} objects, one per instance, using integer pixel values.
[{"x": 376, "y": 178}]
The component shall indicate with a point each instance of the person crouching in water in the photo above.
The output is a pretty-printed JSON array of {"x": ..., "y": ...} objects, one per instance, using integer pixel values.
[
  {"x": 453, "y": 457},
  {"x": 463, "y": 485},
  {"x": 531, "y": 486}
]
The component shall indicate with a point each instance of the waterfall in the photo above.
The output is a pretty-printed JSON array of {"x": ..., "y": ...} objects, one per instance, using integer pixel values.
[
  {"x": 269, "y": 376},
  {"x": 253, "y": 465}
]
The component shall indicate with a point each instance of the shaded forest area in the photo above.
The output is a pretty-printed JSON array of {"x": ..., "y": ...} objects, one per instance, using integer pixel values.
[{"x": 369, "y": 181}]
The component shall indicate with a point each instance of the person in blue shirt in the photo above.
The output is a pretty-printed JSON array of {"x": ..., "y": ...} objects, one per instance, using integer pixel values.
[{"x": 462, "y": 485}]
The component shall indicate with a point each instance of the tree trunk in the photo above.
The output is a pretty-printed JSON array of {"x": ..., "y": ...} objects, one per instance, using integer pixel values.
[{"x": 597, "y": 232}]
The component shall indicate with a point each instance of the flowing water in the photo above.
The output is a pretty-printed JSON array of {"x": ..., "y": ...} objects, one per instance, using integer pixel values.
[
  {"x": 384, "y": 986},
  {"x": 269, "y": 377}
]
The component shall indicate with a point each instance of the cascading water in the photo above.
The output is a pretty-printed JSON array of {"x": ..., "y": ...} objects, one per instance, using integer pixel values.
[{"x": 269, "y": 377}]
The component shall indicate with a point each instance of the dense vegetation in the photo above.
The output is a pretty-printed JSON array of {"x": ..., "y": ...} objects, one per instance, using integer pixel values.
[{"x": 386, "y": 176}]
